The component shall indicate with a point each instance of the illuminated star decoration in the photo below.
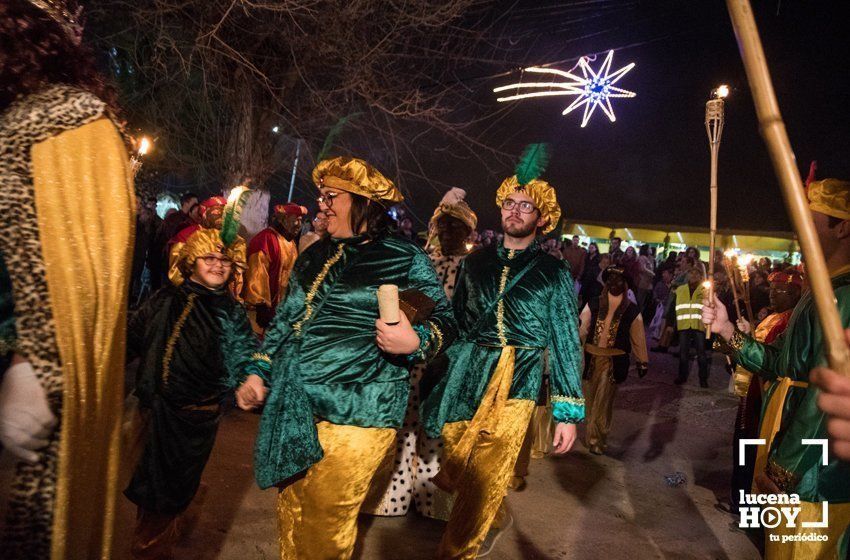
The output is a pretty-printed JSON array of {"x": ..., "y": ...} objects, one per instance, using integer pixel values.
[{"x": 593, "y": 89}]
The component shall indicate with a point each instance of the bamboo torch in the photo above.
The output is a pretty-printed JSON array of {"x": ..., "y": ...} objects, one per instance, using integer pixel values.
[
  {"x": 714, "y": 115},
  {"x": 733, "y": 279},
  {"x": 784, "y": 163}
]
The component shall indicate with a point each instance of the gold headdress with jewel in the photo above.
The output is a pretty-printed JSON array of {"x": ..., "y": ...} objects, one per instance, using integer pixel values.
[
  {"x": 530, "y": 167},
  {"x": 356, "y": 176}
]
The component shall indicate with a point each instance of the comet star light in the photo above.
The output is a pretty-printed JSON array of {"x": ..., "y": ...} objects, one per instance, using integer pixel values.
[{"x": 593, "y": 89}]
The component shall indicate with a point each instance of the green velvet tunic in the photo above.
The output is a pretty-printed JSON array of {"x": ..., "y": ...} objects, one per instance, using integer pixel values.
[
  {"x": 324, "y": 361},
  {"x": 207, "y": 342},
  {"x": 794, "y": 355},
  {"x": 539, "y": 313}
]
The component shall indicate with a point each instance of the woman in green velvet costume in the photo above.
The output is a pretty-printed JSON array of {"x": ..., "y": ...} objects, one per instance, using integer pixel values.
[
  {"x": 337, "y": 375},
  {"x": 194, "y": 341}
]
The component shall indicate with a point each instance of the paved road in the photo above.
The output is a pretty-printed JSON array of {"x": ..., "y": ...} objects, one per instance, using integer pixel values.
[{"x": 575, "y": 507}]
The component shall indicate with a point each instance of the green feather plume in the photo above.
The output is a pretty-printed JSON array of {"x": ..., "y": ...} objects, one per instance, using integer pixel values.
[
  {"x": 233, "y": 214},
  {"x": 533, "y": 163},
  {"x": 333, "y": 133}
]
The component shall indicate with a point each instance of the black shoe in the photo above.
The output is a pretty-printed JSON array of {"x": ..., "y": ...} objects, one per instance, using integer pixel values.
[
  {"x": 661, "y": 349},
  {"x": 680, "y": 380},
  {"x": 703, "y": 383}
]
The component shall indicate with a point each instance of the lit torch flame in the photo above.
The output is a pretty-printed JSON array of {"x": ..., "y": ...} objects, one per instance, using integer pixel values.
[
  {"x": 235, "y": 193},
  {"x": 144, "y": 145}
]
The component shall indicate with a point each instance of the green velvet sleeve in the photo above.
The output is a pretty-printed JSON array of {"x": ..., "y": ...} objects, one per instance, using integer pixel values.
[
  {"x": 440, "y": 329},
  {"x": 565, "y": 351},
  {"x": 760, "y": 358},
  {"x": 239, "y": 345}
]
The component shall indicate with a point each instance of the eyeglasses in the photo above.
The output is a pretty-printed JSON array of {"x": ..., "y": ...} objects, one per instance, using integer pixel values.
[
  {"x": 211, "y": 260},
  {"x": 327, "y": 199},
  {"x": 524, "y": 207}
]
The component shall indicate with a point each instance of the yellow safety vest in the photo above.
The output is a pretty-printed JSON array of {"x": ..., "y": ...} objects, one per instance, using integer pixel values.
[{"x": 689, "y": 308}]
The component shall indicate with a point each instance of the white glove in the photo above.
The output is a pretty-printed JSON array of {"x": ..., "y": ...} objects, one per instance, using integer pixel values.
[{"x": 25, "y": 417}]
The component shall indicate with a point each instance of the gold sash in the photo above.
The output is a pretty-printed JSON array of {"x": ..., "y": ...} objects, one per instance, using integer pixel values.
[
  {"x": 772, "y": 420},
  {"x": 483, "y": 422}
]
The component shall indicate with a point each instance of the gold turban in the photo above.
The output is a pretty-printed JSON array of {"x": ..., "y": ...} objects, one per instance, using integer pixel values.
[
  {"x": 205, "y": 241},
  {"x": 356, "y": 176},
  {"x": 830, "y": 197},
  {"x": 541, "y": 192},
  {"x": 454, "y": 205}
]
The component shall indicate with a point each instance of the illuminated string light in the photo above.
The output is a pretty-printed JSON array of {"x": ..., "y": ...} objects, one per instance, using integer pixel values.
[{"x": 592, "y": 89}]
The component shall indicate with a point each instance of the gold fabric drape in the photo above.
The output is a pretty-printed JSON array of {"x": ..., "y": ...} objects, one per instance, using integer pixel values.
[
  {"x": 771, "y": 422},
  {"x": 317, "y": 514},
  {"x": 257, "y": 290},
  {"x": 484, "y": 421},
  {"x": 483, "y": 483},
  {"x": 86, "y": 211}
]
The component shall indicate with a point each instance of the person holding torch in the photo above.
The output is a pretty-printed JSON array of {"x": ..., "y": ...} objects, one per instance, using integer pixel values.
[{"x": 790, "y": 414}]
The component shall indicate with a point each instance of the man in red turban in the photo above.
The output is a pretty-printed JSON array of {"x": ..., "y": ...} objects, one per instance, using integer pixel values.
[{"x": 271, "y": 256}]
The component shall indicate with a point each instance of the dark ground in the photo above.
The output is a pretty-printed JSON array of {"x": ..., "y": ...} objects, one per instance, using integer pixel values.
[{"x": 578, "y": 506}]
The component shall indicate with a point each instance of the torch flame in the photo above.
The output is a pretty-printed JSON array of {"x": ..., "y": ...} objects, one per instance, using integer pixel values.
[
  {"x": 144, "y": 145},
  {"x": 235, "y": 193}
]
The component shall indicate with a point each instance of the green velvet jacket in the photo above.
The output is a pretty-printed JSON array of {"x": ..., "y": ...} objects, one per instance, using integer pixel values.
[
  {"x": 794, "y": 355},
  {"x": 323, "y": 361},
  {"x": 539, "y": 313}
]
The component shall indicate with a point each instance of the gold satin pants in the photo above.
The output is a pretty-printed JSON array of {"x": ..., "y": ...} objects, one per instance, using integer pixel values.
[
  {"x": 599, "y": 393},
  {"x": 484, "y": 481},
  {"x": 839, "y": 520},
  {"x": 318, "y": 513}
]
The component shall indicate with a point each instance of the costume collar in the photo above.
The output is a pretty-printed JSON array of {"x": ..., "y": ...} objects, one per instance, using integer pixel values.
[
  {"x": 195, "y": 288},
  {"x": 512, "y": 257}
]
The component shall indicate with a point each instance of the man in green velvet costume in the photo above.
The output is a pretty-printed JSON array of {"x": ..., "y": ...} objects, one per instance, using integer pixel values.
[
  {"x": 790, "y": 414},
  {"x": 513, "y": 302}
]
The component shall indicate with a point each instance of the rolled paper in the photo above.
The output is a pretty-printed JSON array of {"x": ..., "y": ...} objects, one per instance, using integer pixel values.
[{"x": 388, "y": 303}]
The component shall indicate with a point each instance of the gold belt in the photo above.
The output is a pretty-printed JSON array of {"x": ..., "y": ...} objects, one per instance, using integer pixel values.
[{"x": 772, "y": 420}]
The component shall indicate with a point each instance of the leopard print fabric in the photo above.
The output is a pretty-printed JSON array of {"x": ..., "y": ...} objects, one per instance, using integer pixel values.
[{"x": 27, "y": 122}]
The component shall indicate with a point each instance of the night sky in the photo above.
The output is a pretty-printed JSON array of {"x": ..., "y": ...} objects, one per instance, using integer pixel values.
[{"x": 652, "y": 165}]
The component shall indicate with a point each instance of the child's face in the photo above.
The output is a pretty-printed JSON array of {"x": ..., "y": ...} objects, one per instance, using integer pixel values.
[{"x": 212, "y": 270}]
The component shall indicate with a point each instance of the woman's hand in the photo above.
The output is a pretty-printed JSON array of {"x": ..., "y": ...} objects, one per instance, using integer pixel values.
[
  {"x": 565, "y": 437},
  {"x": 399, "y": 339},
  {"x": 252, "y": 393}
]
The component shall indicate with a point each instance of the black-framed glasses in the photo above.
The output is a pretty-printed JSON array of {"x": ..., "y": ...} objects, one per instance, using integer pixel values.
[
  {"x": 327, "y": 199},
  {"x": 524, "y": 207},
  {"x": 211, "y": 260}
]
